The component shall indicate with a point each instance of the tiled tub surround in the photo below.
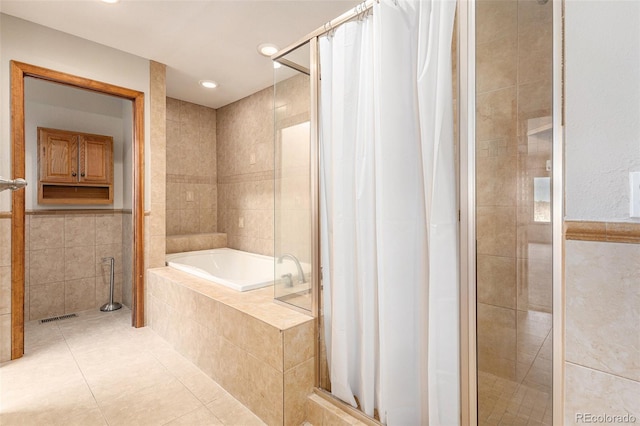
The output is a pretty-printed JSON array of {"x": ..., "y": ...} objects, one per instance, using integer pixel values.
[
  {"x": 245, "y": 156},
  {"x": 191, "y": 168},
  {"x": 193, "y": 242},
  {"x": 245, "y": 172},
  {"x": 64, "y": 272},
  {"x": 260, "y": 352},
  {"x": 602, "y": 353}
]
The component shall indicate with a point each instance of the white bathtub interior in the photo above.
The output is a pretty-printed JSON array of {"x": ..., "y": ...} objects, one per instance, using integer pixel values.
[{"x": 239, "y": 270}]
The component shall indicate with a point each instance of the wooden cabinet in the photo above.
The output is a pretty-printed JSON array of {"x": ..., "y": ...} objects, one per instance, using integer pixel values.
[
  {"x": 58, "y": 156},
  {"x": 74, "y": 168},
  {"x": 95, "y": 159}
]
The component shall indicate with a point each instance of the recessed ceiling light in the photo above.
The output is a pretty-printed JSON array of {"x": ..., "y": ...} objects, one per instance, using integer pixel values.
[
  {"x": 209, "y": 84},
  {"x": 110, "y": 1},
  {"x": 276, "y": 64},
  {"x": 267, "y": 49}
]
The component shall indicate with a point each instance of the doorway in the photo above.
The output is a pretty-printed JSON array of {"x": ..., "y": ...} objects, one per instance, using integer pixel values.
[{"x": 20, "y": 71}]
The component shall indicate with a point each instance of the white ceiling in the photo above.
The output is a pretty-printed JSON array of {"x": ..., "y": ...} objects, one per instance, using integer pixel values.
[{"x": 207, "y": 39}]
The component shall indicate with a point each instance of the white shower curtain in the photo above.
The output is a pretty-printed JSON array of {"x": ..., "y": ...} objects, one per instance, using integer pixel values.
[{"x": 389, "y": 213}]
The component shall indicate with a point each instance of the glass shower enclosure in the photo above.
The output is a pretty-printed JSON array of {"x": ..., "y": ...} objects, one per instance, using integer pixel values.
[
  {"x": 512, "y": 213},
  {"x": 513, "y": 169},
  {"x": 292, "y": 179}
]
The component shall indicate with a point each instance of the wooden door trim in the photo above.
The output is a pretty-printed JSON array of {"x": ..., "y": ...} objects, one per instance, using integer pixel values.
[
  {"x": 19, "y": 71},
  {"x": 17, "y": 212}
]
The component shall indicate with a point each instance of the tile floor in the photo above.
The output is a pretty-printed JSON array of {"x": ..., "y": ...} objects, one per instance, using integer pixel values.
[
  {"x": 526, "y": 398},
  {"x": 522, "y": 396},
  {"x": 504, "y": 402},
  {"x": 97, "y": 370}
]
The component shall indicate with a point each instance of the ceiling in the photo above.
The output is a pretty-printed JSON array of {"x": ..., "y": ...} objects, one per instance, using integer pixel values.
[{"x": 208, "y": 39}]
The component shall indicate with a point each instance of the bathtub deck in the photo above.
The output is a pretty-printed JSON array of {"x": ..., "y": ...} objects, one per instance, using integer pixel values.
[
  {"x": 259, "y": 351},
  {"x": 257, "y": 303}
]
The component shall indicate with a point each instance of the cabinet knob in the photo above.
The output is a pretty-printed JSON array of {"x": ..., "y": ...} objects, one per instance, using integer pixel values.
[
  {"x": 73, "y": 174},
  {"x": 82, "y": 174}
]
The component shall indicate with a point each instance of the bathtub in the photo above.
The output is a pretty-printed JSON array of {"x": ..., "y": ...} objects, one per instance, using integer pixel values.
[{"x": 235, "y": 269}]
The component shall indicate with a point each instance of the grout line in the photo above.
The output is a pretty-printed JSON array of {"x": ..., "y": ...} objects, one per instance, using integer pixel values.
[
  {"x": 601, "y": 371},
  {"x": 183, "y": 415},
  {"x": 172, "y": 374},
  {"x": 82, "y": 372},
  {"x": 537, "y": 353}
]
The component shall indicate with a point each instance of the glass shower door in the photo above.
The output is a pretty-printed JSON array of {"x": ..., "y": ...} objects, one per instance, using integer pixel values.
[{"x": 513, "y": 211}]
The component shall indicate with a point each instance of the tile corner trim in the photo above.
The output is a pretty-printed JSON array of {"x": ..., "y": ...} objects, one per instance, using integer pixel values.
[{"x": 611, "y": 232}]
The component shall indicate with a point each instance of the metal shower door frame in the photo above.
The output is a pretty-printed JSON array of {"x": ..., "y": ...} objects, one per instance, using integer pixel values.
[{"x": 467, "y": 181}]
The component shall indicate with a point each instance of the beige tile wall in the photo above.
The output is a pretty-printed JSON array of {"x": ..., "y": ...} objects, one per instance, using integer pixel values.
[
  {"x": 64, "y": 272},
  {"x": 595, "y": 392},
  {"x": 5, "y": 289},
  {"x": 156, "y": 221},
  {"x": 245, "y": 172},
  {"x": 245, "y": 155},
  {"x": 602, "y": 349},
  {"x": 127, "y": 258},
  {"x": 191, "y": 168},
  {"x": 514, "y": 257},
  {"x": 193, "y": 242},
  {"x": 260, "y": 352}
]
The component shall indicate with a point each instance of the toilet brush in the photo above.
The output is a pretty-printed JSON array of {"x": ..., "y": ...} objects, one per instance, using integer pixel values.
[{"x": 111, "y": 306}]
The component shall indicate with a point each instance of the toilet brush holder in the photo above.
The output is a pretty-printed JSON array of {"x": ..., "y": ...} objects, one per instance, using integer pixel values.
[{"x": 111, "y": 306}]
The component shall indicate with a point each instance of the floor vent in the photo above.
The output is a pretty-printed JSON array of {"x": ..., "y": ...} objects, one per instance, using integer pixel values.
[{"x": 62, "y": 317}]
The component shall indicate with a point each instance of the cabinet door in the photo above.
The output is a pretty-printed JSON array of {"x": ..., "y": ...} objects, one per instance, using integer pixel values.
[
  {"x": 58, "y": 156},
  {"x": 96, "y": 159}
]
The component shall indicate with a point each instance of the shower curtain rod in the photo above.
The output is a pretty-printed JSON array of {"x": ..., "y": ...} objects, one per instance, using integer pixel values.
[{"x": 329, "y": 26}]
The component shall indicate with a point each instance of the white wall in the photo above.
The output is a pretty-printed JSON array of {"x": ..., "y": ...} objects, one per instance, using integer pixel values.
[
  {"x": 37, "y": 45},
  {"x": 62, "y": 107},
  {"x": 602, "y": 107},
  {"x": 127, "y": 155}
]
